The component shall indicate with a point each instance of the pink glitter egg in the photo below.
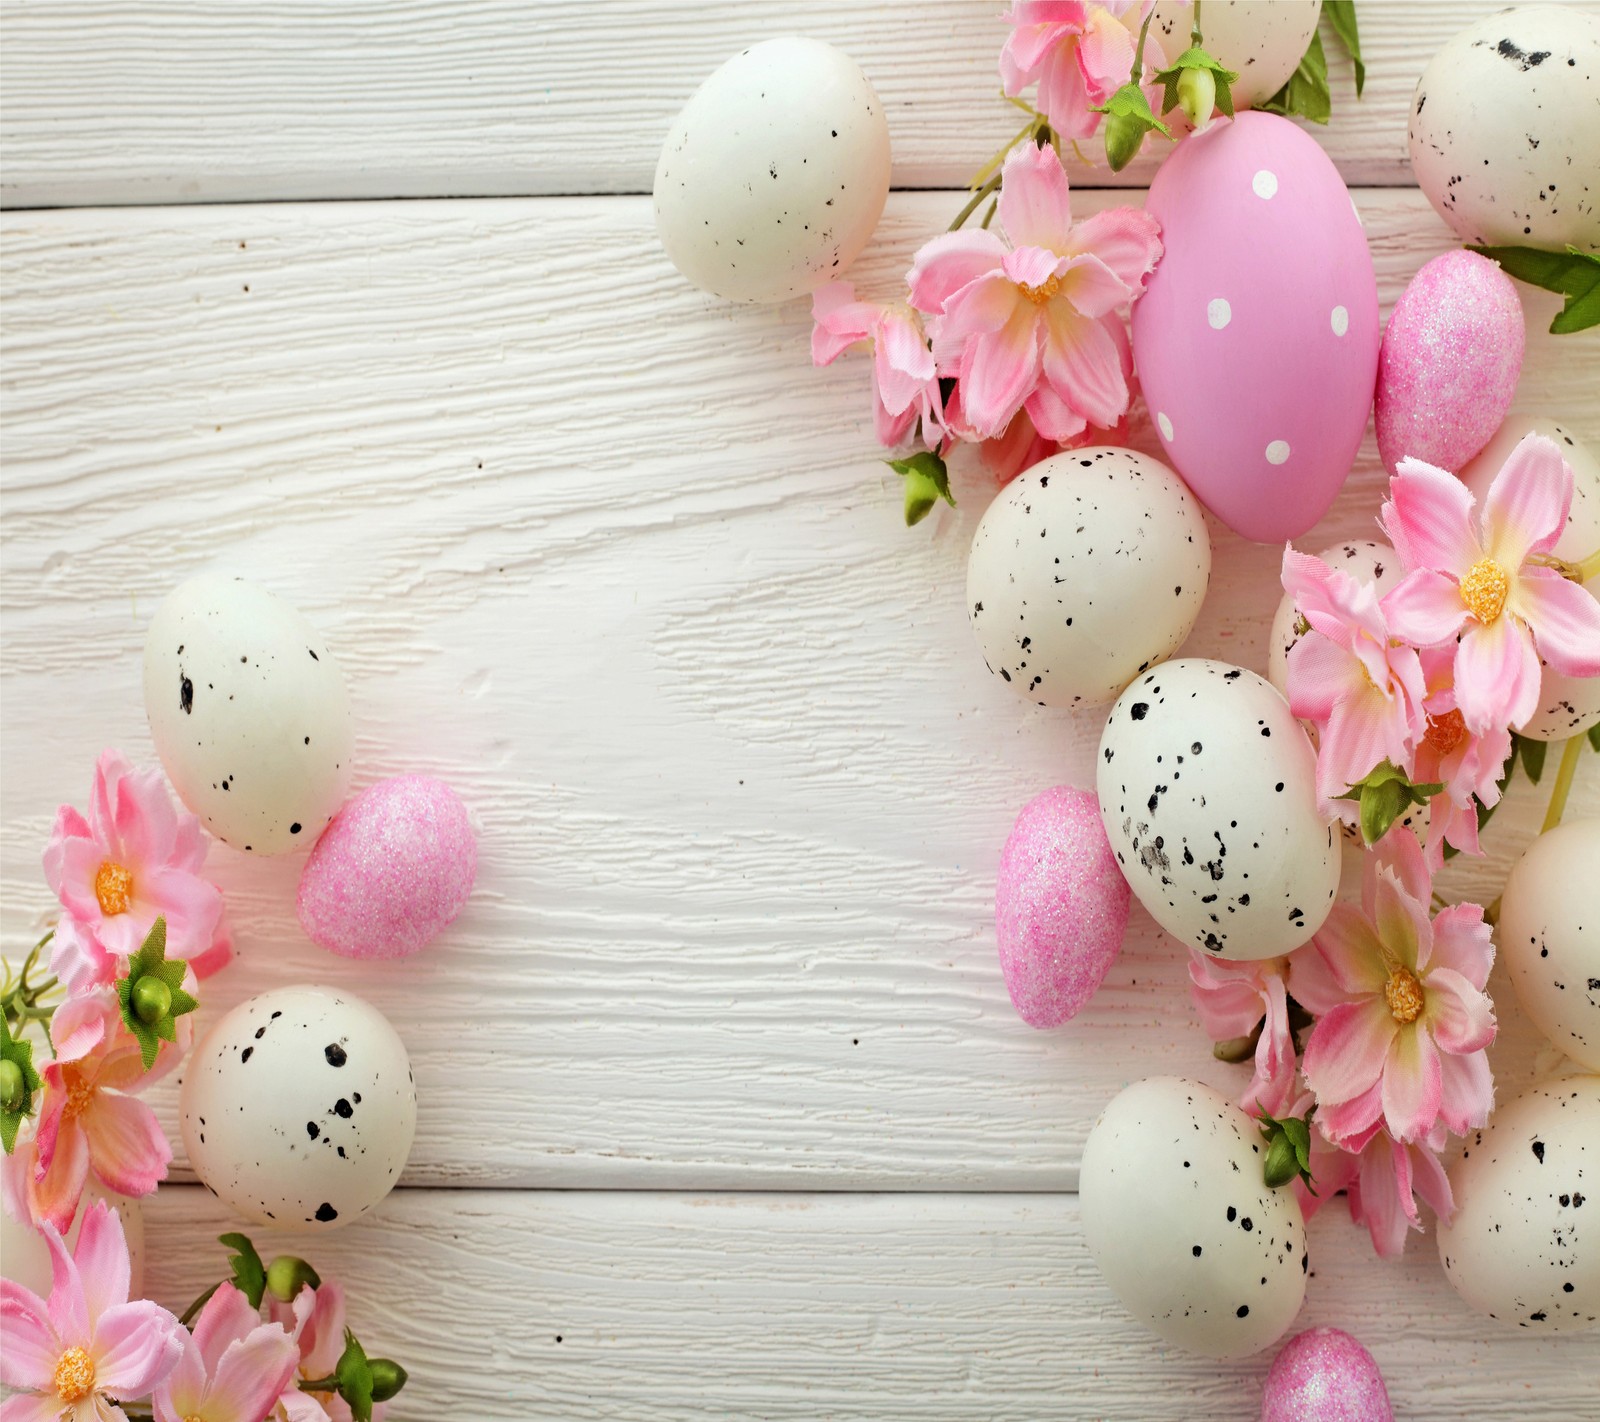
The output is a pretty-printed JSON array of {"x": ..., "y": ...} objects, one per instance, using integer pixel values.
[
  {"x": 1449, "y": 364},
  {"x": 391, "y": 871},
  {"x": 1324, "y": 1375},
  {"x": 1060, "y": 906}
]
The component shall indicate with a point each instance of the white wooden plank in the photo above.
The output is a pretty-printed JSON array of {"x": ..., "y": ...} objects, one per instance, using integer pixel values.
[
  {"x": 647, "y": 1306},
  {"x": 126, "y": 101},
  {"x": 614, "y": 560}
]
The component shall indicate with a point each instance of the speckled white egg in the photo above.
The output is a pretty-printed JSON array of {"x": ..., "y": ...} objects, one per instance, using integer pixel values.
[
  {"x": 1207, "y": 789},
  {"x": 1262, "y": 41},
  {"x": 298, "y": 1107},
  {"x": 1178, "y": 1217},
  {"x": 1374, "y": 563},
  {"x": 25, "y": 1257},
  {"x": 1085, "y": 571},
  {"x": 1505, "y": 129},
  {"x": 249, "y": 713},
  {"x": 1549, "y": 938},
  {"x": 1524, "y": 1243},
  {"x": 775, "y": 173},
  {"x": 1567, "y": 704}
]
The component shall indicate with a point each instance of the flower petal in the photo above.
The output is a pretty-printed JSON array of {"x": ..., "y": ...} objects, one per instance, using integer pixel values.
[
  {"x": 1035, "y": 200},
  {"x": 102, "y": 1258},
  {"x": 1353, "y": 1121},
  {"x": 1381, "y": 1197},
  {"x": 1411, "y": 1085},
  {"x": 1126, "y": 239},
  {"x": 1344, "y": 960},
  {"x": 1462, "y": 942},
  {"x": 1064, "y": 95},
  {"x": 950, "y": 262},
  {"x": 1320, "y": 674},
  {"x": 67, "y": 1307},
  {"x": 192, "y": 907},
  {"x": 135, "y": 1346},
  {"x": 226, "y": 1318},
  {"x": 1105, "y": 51},
  {"x": 1425, "y": 608},
  {"x": 1526, "y": 507},
  {"x": 127, "y": 1148},
  {"x": 1466, "y": 1091},
  {"x": 1460, "y": 1017},
  {"x": 1083, "y": 364},
  {"x": 253, "y": 1372},
  {"x": 31, "y": 1409},
  {"x": 1362, "y": 731},
  {"x": 1052, "y": 419},
  {"x": 32, "y": 1346},
  {"x": 1564, "y": 617},
  {"x": 840, "y": 321},
  {"x": 998, "y": 369},
  {"x": 1430, "y": 1181},
  {"x": 1428, "y": 519},
  {"x": 1347, "y": 1050},
  {"x": 1497, "y": 675}
]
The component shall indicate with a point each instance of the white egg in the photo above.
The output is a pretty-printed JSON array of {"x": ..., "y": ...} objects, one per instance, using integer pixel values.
[
  {"x": 249, "y": 714},
  {"x": 1524, "y": 1243},
  {"x": 1207, "y": 790},
  {"x": 775, "y": 173},
  {"x": 1178, "y": 1217},
  {"x": 1376, "y": 564},
  {"x": 25, "y": 1257},
  {"x": 1085, "y": 571},
  {"x": 1549, "y": 938},
  {"x": 1262, "y": 41},
  {"x": 298, "y": 1107},
  {"x": 1567, "y": 704},
  {"x": 1505, "y": 129}
]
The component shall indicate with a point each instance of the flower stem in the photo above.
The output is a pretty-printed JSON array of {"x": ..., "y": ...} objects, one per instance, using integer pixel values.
[
  {"x": 1586, "y": 568},
  {"x": 972, "y": 204},
  {"x": 1138, "y": 54},
  {"x": 194, "y": 1308},
  {"x": 1564, "y": 775},
  {"x": 1194, "y": 26}
]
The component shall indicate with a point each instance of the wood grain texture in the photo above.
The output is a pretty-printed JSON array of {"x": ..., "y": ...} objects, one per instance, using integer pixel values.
[
  {"x": 527, "y": 1305},
  {"x": 614, "y": 560},
  {"x": 127, "y": 101}
]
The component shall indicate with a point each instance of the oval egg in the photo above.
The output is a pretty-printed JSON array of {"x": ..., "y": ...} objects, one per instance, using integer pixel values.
[
  {"x": 1523, "y": 1245},
  {"x": 1262, "y": 41},
  {"x": 298, "y": 1107},
  {"x": 1084, "y": 571},
  {"x": 1549, "y": 938},
  {"x": 1256, "y": 339},
  {"x": 1207, "y": 790},
  {"x": 1568, "y": 705},
  {"x": 249, "y": 713},
  {"x": 1505, "y": 129},
  {"x": 1185, "y": 1231},
  {"x": 774, "y": 174}
]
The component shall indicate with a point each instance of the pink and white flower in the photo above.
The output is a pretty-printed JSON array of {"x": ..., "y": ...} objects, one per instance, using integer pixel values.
[
  {"x": 1468, "y": 765},
  {"x": 232, "y": 1369},
  {"x": 1232, "y": 998},
  {"x": 1385, "y": 1177},
  {"x": 1361, "y": 688},
  {"x": 87, "y": 1343},
  {"x": 1472, "y": 573},
  {"x": 1028, "y": 325},
  {"x": 905, "y": 388},
  {"x": 315, "y": 1319},
  {"x": 133, "y": 860},
  {"x": 1078, "y": 54}
]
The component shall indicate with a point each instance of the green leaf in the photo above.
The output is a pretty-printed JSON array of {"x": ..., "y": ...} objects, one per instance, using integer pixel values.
[
  {"x": 1573, "y": 274},
  {"x": 1384, "y": 794},
  {"x": 249, "y": 1273},
  {"x": 1594, "y": 735},
  {"x": 1306, "y": 93},
  {"x": 1533, "y": 754},
  {"x": 1129, "y": 119},
  {"x": 927, "y": 481},
  {"x": 24, "y": 1080},
  {"x": 151, "y": 962},
  {"x": 355, "y": 1378},
  {"x": 1196, "y": 59},
  {"x": 1288, "y": 1150},
  {"x": 1342, "y": 16}
]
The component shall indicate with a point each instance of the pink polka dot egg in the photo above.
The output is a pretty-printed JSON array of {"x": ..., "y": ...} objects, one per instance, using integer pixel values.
[
  {"x": 1256, "y": 340},
  {"x": 391, "y": 872}
]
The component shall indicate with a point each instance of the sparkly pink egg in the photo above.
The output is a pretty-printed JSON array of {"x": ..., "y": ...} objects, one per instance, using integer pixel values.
[
  {"x": 1450, "y": 361},
  {"x": 1324, "y": 1375},
  {"x": 1060, "y": 906},
  {"x": 391, "y": 871}
]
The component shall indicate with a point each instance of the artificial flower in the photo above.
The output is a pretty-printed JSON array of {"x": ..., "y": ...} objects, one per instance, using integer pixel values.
[
  {"x": 133, "y": 860},
  {"x": 79, "y": 960},
  {"x": 1361, "y": 688},
  {"x": 1232, "y": 1000},
  {"x": 1028, "y": 325},
  {"x": 1078, "y": 54},
  {"x": 87, "y": 1343},
  {"x": 233, "y": 1368},
  {"x": 315, "y": 1319},
  {"x": 1403, "y": 1018},
  {"x": 1384, "y": 1178},
  {"x": 1467, "y": 764},
  {"x": 1472, "y": 573},
  {"x": 904, "y": 386}
]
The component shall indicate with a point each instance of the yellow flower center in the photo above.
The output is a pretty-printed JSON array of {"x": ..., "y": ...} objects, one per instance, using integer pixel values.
[
  {"x": 1445, "y": 732},
  {"x": 1484, "y": 590},
  {"x": 74, "y": 1375},
  {"x": 1038, "y": 295},
  {"x": 113, "y": 886},
  {"x": 1403, "y": 993}
]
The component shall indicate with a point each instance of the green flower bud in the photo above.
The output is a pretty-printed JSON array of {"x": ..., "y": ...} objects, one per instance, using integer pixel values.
[
  {"x": 1124, "y": 138},
  {"x": 13, "y": 1086},
  {"x": 1197, "y": 95},
  {"x": 152, "y": 999},
  {"x": 388, "y": 1377},
  {"x": 287, "y": 1275},
  {"x": 1282, "y": 1165}
]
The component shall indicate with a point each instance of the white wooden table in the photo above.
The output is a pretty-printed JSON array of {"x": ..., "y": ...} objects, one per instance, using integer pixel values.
[{"x": 723, "y": 1108}]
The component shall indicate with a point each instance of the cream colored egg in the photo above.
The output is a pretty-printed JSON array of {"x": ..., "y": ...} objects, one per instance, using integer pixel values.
[
  {"x": 1177, "y": 1215},
  {"x": 1549, "y": 938},
  {"x": 298, "y": 1107},
  {"x": 1567, "y": 705},
  {"x": 775, "y": 172},
  {"x": 1207, "y": 788},
  {"x": 249, "y": 714},
  {"x": 1086, "y": 570},
  {"x": 1524, "y": 1243},
  {"x": 1262, "y": 41},
  {"x": 25, "y": 1257},
  {"x": 1505, "y": 128}
]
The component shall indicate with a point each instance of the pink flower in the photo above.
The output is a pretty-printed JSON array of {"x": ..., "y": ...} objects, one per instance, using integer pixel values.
[
  {"x": 1467, "y": 765},
  {"x": 1231, "y": 999},
  {"x": 1078, "y": 54},
  {"x": 1403, "y": 1019},
  {"x": 86, "y": 1120},
  {"x": 1361, "y": 688},
  {"x": 1470, "y": 573},
  {"x": 232, "y": 1369},
  {"x": 315, "y": 1319},
  {"x": 87, "y": 1344},
  {"x": 904, "y": 386},
  {"x": 1030, "y": 326},
  {"x": 135, "y": 859},
  {"x": 1386, "y": 1175}
]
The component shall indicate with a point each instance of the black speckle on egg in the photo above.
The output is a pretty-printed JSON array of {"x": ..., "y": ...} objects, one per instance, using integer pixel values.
[
  {"x": 343, "y": 1108},
  {"x": 313, "y": 1129},
  {"x": 335, "y": 1054},
  {"x": 326, "y": 1212},
  {"x": 185, "y": 695}
]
